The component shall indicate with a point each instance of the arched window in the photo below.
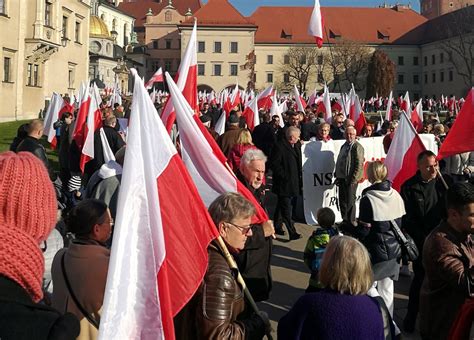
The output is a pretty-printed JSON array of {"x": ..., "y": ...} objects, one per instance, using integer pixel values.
[{"x": 114, "y": 25}]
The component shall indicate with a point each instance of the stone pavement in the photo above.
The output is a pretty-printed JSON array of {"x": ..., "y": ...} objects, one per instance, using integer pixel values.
[{"x": 290, "y": 279}]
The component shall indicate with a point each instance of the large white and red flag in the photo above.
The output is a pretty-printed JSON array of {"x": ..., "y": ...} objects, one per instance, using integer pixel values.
[
  {"x": 416, "y": 116},
  {"x": 78, "y": 131},
  {"x": 357, "y": 114},
  {"x": 186, "y": 81},
  {"x": 203, "y": 158},
  {"x": 300, "y": 103},
  {"x": 388, "y": 113},
  {"x": 264, "y": 98},
  {"x": 51, "y": 116},
  {"x": 251, "y": 114},
  {"x": 276, "y": 109},
  {"x": 404, "y": 149},
  {"x": 157, "y": 77},
  {"x": 315, "y": 27},
  {"x": 162, "y": 230},
  {"x": 461, "y": 136},
  {"x": 232, "y": 101}
]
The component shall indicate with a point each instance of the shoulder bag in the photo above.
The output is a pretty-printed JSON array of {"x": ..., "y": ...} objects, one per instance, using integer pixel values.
[{"x": 410, "y": 251}]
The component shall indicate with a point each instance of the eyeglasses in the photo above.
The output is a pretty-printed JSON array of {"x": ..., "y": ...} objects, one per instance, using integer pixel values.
[
  {"x": 243, "y": 229},
  {"x": 111, "y": 222}
]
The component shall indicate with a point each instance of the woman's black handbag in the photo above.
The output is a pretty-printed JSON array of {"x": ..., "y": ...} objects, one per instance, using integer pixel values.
[{"x": 410, "y": 251}]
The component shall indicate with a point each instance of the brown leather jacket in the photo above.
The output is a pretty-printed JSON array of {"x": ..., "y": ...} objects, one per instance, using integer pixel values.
[{"x": 216, "y": 310}]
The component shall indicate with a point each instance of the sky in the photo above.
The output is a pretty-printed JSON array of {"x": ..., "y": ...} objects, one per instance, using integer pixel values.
[{"x": 247, "y": 7}]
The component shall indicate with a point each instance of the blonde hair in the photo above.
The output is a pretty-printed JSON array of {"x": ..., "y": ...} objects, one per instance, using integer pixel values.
[
  {"x": 244, "y": 137},
  {"x": 346, "y": 266},
  {"x": 376, "y": 172}
]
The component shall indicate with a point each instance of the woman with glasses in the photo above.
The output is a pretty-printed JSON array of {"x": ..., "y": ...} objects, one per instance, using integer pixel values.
[
  {"x": 80, "y": 271},
  {"x": 216, "y": 310}
]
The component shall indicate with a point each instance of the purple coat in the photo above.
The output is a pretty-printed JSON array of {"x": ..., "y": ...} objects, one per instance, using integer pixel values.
[{"x": 330, "y": 315}]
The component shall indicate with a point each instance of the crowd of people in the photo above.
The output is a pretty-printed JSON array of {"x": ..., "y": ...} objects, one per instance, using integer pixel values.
[{"x": 56, "y": 230}]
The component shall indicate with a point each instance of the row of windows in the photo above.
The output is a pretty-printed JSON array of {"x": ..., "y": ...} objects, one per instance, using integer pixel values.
[
  {"x": 233, "y": 47},
  {"x": 32, "y": 72},
  {"x": 77, "y": 29},
  {"x": 401, "y": 60},
  {"x": 114, "y": 28},
  {"x": 217, "y": 69},
  {"x": 168, "y": 44},
  {"x": 416, "y": 77}
]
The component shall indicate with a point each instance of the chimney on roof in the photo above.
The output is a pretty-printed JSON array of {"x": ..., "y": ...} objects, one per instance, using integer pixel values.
[
  {"x": 188, "y": 13},
  {"x": 149, "y": 13},
  {"x": 401, "y": 7}
]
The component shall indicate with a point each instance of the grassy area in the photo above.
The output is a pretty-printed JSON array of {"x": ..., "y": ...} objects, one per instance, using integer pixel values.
[{"x": 8, "y": 132}]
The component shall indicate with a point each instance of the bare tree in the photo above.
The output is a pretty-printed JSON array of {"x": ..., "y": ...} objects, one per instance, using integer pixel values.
[
  {"x": 299, "y": 64},
  {"x": 348, "y": 63},
  {"x": 381, "y": 76},
  {"x": 250, "y": 66},
  {"x": 457, "y": 32}
]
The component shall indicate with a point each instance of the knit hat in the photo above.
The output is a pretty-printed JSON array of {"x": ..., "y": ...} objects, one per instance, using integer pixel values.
[{"x": 27, "y": 215}]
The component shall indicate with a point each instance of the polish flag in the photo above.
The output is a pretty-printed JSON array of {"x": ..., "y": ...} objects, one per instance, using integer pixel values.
[
  {"x": 94, "y": 122},
  {"x": 327, "y": 104},
  {"x": 264, "y": 99},
  {"x": 220, "y": 124},
  {"x": 315, "y": 27},
  {"x": 157, "y": 77},
  {"x": 204, "y": 160},
  {"x": 300, "y": 103},
  {"x": 159, "y": 254},
  {"x": 232, "y": 101},
  {"x": 51, "y": 116},
  {"x": 186, "y": 81},
  {"x": 416, "y": 117},
  {"x": 460, "y": 137},
  {"x": 312, "y": 98},
  {"x": 388, "y": 113},
  {"x": 406, "y": 105},
  {"x": 275, "y": 109},
  {"x": 357, "y": 114},
  {"x": 251, "y": 114},
  {"x": 403, "y": 152},
  {"x": 79, "y": 125}
]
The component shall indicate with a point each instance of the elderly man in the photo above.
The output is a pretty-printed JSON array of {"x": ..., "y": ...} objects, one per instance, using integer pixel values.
[
  {"x": 254, "y": 259},
  {"x": 349, "y": 170},
  {"x": 287, "y": 178},
  {"x": 217, "y": 309}
]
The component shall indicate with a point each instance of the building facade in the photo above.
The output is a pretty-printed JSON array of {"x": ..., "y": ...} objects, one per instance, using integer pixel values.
[
  {"x": 45, "y": 50},
  {"x": 435, "y": 8}
]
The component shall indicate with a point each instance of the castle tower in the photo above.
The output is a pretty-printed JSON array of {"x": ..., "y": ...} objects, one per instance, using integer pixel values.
[{"x": 435, "y": 8}]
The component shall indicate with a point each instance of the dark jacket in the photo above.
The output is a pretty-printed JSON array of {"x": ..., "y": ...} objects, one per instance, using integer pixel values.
[
  {"x": 215, "y": 310},
  {"x": 448, "y": 259},
  {"x": 308, "y": 130},
  {"x": 115, "y": 142},
  {"x": 285, "y": 162},
  {"x": 424, "y": 204},
  {"x": 264, "y": 137},
  {"x": 379, "y": 238},
  {"x": 21, "y": 318},
  {"x": 336, "y": 133},
  {"x": 33, "y": 145},
  {"x": 64, "y": 144}
]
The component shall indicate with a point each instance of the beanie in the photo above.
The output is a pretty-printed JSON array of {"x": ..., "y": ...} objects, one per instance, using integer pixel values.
[{"x": 27, "y": 215}]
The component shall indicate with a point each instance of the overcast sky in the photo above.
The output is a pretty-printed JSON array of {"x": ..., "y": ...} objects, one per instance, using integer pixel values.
[{"x": 247, "y": 7}]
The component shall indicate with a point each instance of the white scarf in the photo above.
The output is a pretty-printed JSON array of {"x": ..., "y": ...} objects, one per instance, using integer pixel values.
[{"x": 386, "y": 205}]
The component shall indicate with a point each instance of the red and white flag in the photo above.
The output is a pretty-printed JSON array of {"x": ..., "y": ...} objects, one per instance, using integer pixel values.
[
  {"x": 460, "y": 137},
  {"x": 79, "y": 125},
  {"x": 300, "y": 103},
  {"x": 51, "y": 116},
  {"x": 357, "y": 114},
  {"x": 406, "y": 105},
  {"x": 277, "y": 109},
  {"x": 251, "y": 114},
  {"x": 388, "y": 113},
  {"x": 186, "y": 81},
  {"x": 162, "y": 230},
  {"x": 264, "y": 98},
  {"x": 315, "y": 27},
  {"x": 203, "y": 158},
  {"x": 401, "y": 157},
  {"x": 157, "y": 77},
  {"x": 416, "y": 116},
  {"x": 94, "y": 122}
]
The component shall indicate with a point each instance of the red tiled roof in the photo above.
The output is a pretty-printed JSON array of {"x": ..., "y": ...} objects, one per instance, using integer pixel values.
[
  {"x": 219, "y": 13},
  {"x": 139, "y": 8},
  {"x": 365, "y": 25}
]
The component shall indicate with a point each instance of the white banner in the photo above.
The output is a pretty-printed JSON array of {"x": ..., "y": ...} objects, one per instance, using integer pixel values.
[{"x": 319, "y": 161}]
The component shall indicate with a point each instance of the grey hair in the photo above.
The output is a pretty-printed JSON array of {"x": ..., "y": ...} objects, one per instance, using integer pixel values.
[
  {"x": 251, "y": 155},
  {"x": 292, "y": 129}
]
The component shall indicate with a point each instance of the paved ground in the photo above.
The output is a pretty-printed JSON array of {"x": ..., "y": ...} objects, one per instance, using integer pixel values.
[{"x": 290, "y": 279}]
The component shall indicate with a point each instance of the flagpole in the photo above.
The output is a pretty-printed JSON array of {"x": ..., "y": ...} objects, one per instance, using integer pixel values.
[
  {"x": 416, "y": 133},
  {"x": 338, "y": 82}
]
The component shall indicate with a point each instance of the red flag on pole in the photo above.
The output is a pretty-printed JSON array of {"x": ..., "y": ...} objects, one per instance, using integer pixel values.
[{"x": 315, "y": 27}]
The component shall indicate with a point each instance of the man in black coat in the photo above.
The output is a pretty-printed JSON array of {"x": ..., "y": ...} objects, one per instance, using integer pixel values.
[
  {"x": 264, "y": 135},
  {"x": 424, "y": 197},
  {"x": 254, "y": 260},
  {"x": 287, "y": 178}
]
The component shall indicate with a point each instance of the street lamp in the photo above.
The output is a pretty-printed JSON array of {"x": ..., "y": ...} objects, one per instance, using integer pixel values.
[{"x": 64, "y": 39}]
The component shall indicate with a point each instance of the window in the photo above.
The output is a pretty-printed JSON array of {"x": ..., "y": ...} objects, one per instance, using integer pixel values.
[
  {"x": 168, "y": 44},
  {"x": 2, "y": 7},
  {"x": 217, "y": 69},
  {"x": 114, "y": 25},
  {"x": 433, "y": 77},
  {"x": 401, "y": 78},
  {"x": 401, "y": 60},
  {"x": 35, "y": 74},
  {"x": 433, "y": 59},
  {"x": 269, "y": 77},
  {"x": 125, "y": 35},
  {"x": 320, "y": 59},
  {"x": 6, "y": 69},
  {"x": 415, "y": 61},
  {"x": 286, "y": 59},
  {"x": 269, "y": 59},
  {"x": 64, "y": 33},
  {"x": 254, "y": 78},
  {"x": 168, "y": 16},
  {"x": 234, "y": 47},
  {"x": 426, "y": 78},
  {"x": 441, "y": 76},
  {"x": 32, "y": 74},
  {"x": 48, "y": 7},
  {"x": 425, "y": 61},
  {"x": 71, "y": 78},
  {"x": 168, "y": 64},
  {"x": 217, "y": 47},
  {"x": 77, "y": 32},
  {"x": 234, "y": 69},
  {"x": 286, "y": 77},
  {"x": 441, "y": 58},
  {"x": 201, "y": 47},
  {"x": 320, "y": 77},
  {"x": 450, "y": 75},
  {"x": 416, "y": 79},
  {"x": 155, "y": 44},
  {"x": 201, "y": 69}
]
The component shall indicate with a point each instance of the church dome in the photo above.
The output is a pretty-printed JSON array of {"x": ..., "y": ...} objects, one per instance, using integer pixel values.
[{"x": 98, "y": 28}]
